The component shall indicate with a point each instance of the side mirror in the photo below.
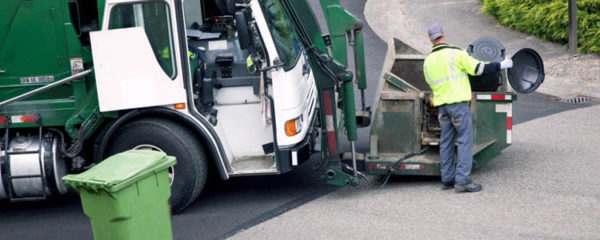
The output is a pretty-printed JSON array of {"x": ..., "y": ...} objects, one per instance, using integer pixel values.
[{"x": 241, "y": 23}]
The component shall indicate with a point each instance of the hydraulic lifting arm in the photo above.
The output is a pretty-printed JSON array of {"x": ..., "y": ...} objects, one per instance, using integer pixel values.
[
  {"x": 345, "y": 28},
  {"x": 331, "y": 75}
]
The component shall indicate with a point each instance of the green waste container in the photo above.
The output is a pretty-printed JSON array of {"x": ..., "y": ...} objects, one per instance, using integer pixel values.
[{"x": 127, "y": 195}]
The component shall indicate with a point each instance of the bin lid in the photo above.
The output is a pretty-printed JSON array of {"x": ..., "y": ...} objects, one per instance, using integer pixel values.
[
  {"x": 527, "y": 73},
  {"x": 487, "y": 49},
  {"x": 120, "y": 170}
]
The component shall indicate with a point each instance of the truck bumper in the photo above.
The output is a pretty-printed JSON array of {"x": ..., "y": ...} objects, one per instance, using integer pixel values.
[{"x": 290, "y": 157}]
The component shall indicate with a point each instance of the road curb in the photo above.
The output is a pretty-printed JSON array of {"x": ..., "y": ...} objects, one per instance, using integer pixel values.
[{"x": 389, "y": 19}]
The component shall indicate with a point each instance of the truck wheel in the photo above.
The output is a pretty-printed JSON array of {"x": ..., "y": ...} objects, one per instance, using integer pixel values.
[{"x": 188, "y": 176}]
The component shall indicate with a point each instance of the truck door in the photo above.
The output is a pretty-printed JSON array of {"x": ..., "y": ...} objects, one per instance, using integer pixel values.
[
  {"x": 135, "y": 55},
  {"x": 294, "y": 89},
  {"x": 267, "y": 131}
]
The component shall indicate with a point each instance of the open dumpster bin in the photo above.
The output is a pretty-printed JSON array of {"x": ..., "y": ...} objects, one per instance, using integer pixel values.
[
  {"x": 405, "y": 120},
  {"x": 127, "y": 195}
]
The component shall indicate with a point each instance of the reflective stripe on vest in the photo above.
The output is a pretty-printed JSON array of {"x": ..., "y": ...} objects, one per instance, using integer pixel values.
[
  {"x": 452, "y": 74},
  {"x": 446, "y": 73}
]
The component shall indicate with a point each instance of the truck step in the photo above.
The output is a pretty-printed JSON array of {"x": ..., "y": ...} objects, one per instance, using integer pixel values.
[{"x": 254, "y": 165}]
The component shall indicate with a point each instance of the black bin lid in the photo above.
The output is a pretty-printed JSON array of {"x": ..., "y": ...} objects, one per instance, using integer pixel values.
[
  {"x": 527, "y": 73},
  {"x": 487, "y": 49}
]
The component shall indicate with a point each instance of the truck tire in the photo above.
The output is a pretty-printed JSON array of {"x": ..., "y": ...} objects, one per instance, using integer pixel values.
[{"x": 188, "y": 175}]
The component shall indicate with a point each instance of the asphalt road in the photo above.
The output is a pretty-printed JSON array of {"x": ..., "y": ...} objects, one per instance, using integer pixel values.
[
  {"x": 223, "y": 209},
  {"x": 545, "y": 186},
  {"x": 226, "y": 208}
]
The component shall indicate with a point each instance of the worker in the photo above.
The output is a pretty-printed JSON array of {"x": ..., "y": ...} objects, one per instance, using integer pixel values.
[{"x": 446, "y": 69}]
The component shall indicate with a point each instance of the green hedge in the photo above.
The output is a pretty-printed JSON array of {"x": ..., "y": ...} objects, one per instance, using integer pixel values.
[{"x": 549, "y": 19}]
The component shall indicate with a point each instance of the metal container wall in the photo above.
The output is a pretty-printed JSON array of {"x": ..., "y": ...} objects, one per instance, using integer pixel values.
[{"x": 405, "y": 122}]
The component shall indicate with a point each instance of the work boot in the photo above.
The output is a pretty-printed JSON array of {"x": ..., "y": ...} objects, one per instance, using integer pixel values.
[
  {"x": 467, "y": 187},
  {"x": 447, "y": 185}
]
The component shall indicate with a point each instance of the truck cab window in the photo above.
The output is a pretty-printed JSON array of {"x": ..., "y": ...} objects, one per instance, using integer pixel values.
[
  {"x": 154, "y": 17},
  {"x": 285, "y": 37}
]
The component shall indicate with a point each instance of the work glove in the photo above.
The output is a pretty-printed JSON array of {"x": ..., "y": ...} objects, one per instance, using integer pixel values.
[{"x": 506, "y": 63}]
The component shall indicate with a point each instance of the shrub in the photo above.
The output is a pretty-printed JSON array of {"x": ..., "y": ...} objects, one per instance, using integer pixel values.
[{"x": 549, "y": 19}]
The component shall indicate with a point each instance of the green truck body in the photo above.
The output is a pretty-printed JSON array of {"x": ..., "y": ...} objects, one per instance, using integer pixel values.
[{"x": 63, "y": 129}]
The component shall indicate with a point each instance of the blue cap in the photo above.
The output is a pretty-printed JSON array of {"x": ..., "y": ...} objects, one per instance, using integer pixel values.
[{"x": 435, "y": 31}]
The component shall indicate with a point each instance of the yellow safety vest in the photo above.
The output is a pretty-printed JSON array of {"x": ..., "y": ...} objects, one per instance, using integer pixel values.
[
  {"x": 446, "y": 70},
  {"x": 166, "y": 54}
]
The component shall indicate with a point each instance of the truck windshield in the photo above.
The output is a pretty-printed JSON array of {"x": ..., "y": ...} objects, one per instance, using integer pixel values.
[{"x": 284, "y": 35}]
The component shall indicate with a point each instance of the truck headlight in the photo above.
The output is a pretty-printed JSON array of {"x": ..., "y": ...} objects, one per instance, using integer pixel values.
[{"x": 293, "y": 127}]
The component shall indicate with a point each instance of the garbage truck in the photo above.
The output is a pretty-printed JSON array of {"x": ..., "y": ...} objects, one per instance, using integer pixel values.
[{"x": 235, "y": 88}]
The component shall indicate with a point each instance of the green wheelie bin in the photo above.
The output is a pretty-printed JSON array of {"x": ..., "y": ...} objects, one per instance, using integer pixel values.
[{"x": 127, "y": 195}]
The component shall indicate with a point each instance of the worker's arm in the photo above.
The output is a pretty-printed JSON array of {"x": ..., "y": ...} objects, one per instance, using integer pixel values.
[
  {"x": 475, "y": 67},
  {"x": 487, "y": 68}
]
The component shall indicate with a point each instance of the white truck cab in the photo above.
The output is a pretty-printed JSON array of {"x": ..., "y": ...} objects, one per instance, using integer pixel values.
[{"x": 238, "y": 71}]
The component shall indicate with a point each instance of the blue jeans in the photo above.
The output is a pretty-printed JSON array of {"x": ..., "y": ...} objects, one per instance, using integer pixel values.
[{"x": 455, "y": 120}]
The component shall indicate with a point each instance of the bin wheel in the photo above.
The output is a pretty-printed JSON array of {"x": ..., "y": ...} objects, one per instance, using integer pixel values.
[{"x": 190, "y": 172}]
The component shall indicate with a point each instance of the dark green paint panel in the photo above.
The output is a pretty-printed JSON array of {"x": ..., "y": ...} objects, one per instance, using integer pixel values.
[
  {"x": 33, "y": 45},
  {"x": 488, "y": 154},
  {"x": 489, "y": 125},
  {"x": 37, "y": 38},
  {"x": 396, "y": 122},
  {"x": 398, "y": 133}
]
